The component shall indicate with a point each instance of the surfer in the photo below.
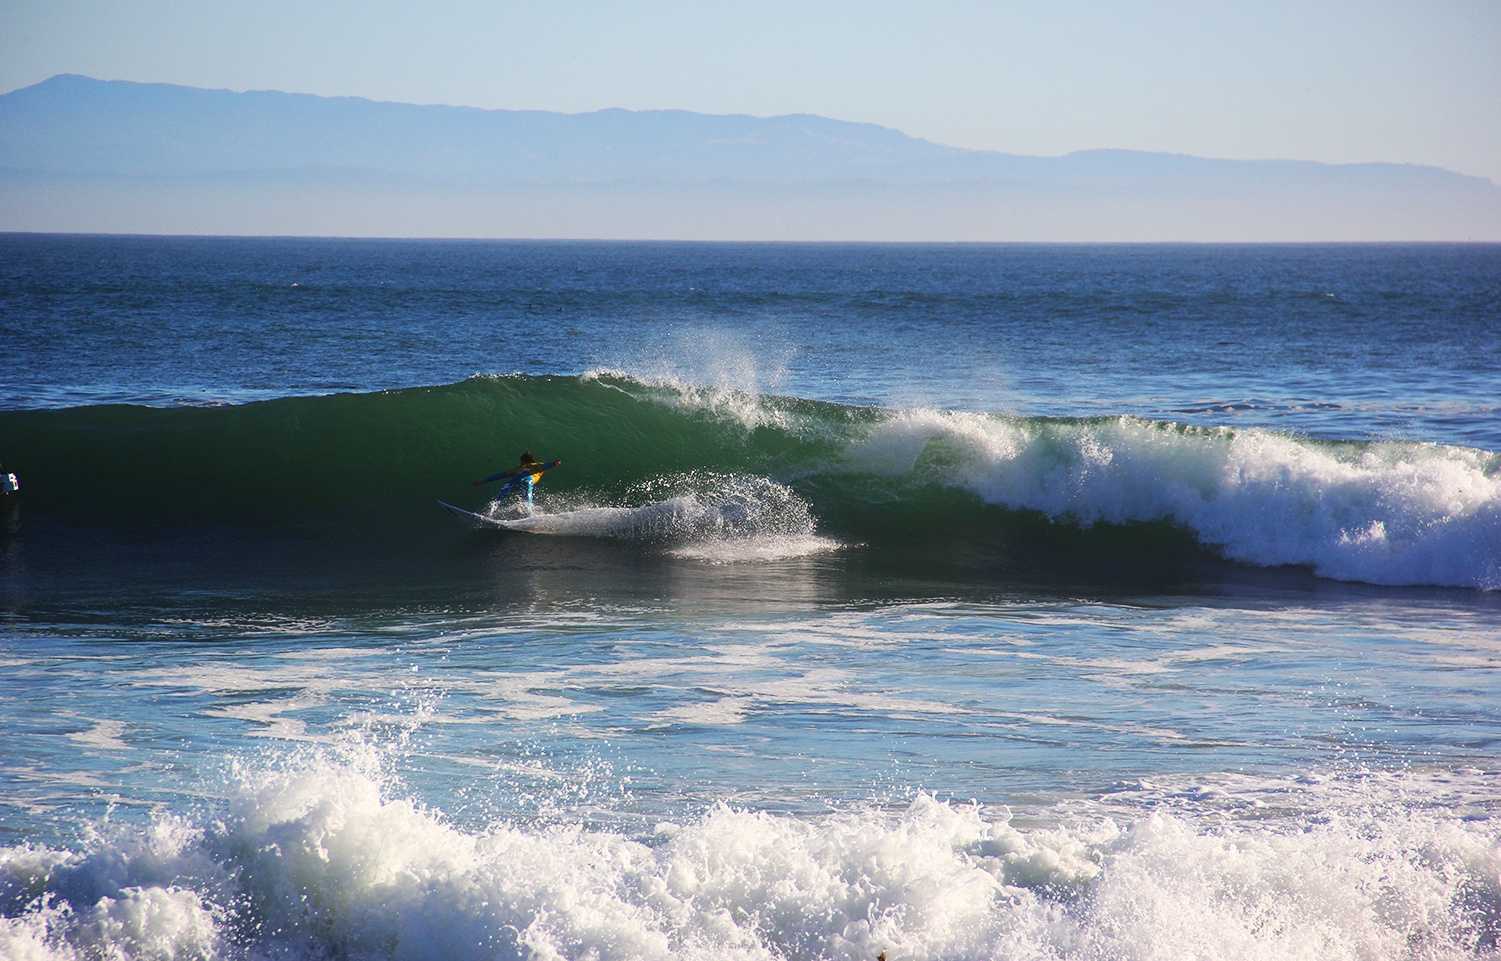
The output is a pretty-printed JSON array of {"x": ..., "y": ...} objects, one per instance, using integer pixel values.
[
  {"x": 10, "y": 503},
  {"x": 522, "y": 478}
]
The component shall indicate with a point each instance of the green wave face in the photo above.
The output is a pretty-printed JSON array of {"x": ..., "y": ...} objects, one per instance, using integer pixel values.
[
  {"x": 942, "y": 487},
  {"x": 298, "y": 459}
]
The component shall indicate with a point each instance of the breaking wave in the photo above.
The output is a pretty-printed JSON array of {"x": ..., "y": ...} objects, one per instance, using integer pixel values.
[
  {"x": 987, "y": 490},
  {"x": 323, "y": 856}
]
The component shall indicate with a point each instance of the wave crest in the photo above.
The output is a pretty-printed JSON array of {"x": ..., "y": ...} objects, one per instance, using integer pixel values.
[{"x": 1385, "y": 513}]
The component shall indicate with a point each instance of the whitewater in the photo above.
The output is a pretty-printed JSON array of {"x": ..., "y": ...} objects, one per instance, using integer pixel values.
[
  {"x": 322, "y": 857},
  {"x": 1385, "y": 513},
  {"x": 935, "y": 602}
]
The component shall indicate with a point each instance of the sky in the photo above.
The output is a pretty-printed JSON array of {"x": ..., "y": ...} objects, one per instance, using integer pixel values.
[{"x": 1328, "y": 80}]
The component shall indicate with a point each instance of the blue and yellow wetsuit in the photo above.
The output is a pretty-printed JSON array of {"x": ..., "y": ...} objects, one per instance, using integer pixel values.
[
  {"x": 521, "y": 483},
  {"x": 524, "y": 485}
]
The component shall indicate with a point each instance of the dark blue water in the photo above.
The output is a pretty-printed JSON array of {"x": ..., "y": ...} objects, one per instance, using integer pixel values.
[
  {"x": 1337, "y": 341},
  {"x": 944, "y": 601}
]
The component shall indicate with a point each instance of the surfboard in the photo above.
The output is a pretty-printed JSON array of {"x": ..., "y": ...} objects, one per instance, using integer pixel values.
[
  {"x": 471, "y": 515},
  {"x": 588, "y": 522}
]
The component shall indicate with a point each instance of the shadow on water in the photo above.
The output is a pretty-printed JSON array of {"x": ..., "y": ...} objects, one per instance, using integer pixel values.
[{"x": 50, "y": 570}]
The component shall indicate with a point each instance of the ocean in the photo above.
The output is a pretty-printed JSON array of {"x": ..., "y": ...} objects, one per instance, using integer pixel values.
[{"x": 934, "y": 601}]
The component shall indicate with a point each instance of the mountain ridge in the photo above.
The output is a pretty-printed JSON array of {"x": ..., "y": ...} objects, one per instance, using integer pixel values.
[
  {"x": 73, "y": 144},
  {"x": 62, "y": 79}
]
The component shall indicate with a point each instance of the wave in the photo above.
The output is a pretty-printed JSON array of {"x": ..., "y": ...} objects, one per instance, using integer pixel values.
[
  {"x": 1385, "y": 513},
  {"x": 964, "y": 488},
  {"x": 322, "y": 855}
]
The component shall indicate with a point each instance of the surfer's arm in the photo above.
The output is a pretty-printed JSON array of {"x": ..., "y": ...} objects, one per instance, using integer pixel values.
[{"x": 515, "y": 472}]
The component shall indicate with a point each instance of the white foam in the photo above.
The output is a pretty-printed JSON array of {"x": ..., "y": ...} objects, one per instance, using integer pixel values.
[
  {"x": 719, "y": 518},
  {"x": 323, "y": 857},
  {"x": 724, "y": 712},
  {"x": 768, "y": 548},
  {"x": 102, "y": 735},
  {"x": 732, "y": 394},
  {"x": 1389, "y": 513},
  {"x": 266, "y": 717},
  {"x": 522, "y": 702}
]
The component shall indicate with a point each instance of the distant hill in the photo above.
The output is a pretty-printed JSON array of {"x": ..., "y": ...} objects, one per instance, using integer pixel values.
[{"x": 84, "y": 154}]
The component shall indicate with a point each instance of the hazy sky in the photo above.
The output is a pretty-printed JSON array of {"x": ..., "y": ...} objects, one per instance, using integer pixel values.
[{"x": 1331, "y": 80}]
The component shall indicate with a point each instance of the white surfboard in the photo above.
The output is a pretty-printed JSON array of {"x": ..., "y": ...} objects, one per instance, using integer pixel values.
[
  {"x": 588, "y": 522},
  {"x": 479, "y": 519}
]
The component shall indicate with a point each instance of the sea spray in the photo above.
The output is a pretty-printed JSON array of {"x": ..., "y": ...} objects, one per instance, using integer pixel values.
[
  {"x": 702, "y": 514},
  {"x": 320, "y": 854}
]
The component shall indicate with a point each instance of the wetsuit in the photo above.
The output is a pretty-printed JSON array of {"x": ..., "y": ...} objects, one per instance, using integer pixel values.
[{"x": 522, "y": 484}]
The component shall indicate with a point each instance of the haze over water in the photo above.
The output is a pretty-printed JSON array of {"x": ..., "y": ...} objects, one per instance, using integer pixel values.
[{"x": 955, "y": 601}]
